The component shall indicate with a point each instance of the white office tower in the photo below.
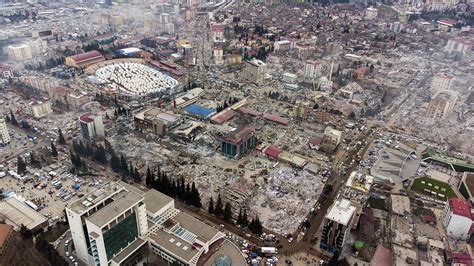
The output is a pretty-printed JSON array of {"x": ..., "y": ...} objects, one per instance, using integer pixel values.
[
  {"x": 4, "y": 132},
  {"x": 107, "y": 224},
  {"x": 91, "y": 126},
  {"x": 337, "y": 224}
]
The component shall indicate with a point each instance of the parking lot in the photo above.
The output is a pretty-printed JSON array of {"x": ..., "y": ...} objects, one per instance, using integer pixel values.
[
  {"x": 50, "y": 188},
  {"x": 19, "y": 142}
]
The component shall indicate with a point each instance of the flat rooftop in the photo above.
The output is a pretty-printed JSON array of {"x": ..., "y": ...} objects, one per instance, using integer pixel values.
[
  {"x": 130, "y": 249},
  {"x": 122, "y": 202},
  {"x": 17, "y": 213},
  {"x": 155, "y": 200},
  {"x": 341, "y": 212},
  {"x": 96, "y": 196},
  {"x": 174, "y": 244},
  {"x": 202, "y": 230}
]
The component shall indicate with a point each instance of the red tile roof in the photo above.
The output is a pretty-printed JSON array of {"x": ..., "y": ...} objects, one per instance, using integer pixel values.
[
  {"x": 249, "y": 111},
  {"x": 460, "y": 207},
  {"x": 5, "y": 230},
  {"x": 462, "y": 258},
  {"x": 223, "y": 116},
  {"x": 272, "y": 151},
  {"x": 276, "y": 119},
  {"x": 217, "y": 28},
  {"x": 86, "y": 117},
  {"x": 86, "y": 56}
]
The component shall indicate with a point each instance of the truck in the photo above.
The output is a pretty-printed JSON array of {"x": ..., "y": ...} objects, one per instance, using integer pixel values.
[{"x": 269, "y": 250}]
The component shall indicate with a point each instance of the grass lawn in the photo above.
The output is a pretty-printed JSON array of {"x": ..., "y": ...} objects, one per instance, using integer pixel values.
[
  {"x": 377, "y": 204},
  {"x": 422, "y": 184}
]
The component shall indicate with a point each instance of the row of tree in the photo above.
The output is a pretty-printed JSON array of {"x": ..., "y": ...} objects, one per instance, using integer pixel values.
[
  {"x": 174, "y": 188},
  {"x": 224, "y": 211},
  {"x": 227, "y": 103}
]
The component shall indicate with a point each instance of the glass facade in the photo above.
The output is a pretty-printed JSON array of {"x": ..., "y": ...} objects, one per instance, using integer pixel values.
[{"x": 120, "y": 235}]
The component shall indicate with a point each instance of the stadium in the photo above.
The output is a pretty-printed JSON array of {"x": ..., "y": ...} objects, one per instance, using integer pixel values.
[{"x": 134, "y": 79}]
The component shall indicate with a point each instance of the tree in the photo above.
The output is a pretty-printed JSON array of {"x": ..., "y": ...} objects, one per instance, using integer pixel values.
[
  {"x": 245, "y": 219},
  {"x": 352, "y": 116},
  {"x": 21, "y": 166},
  {"x": 123, "y": 163},
  {"x": 255, "y": 226},
  {"x": 13, "y": 119},
  {"x": 195, "y": 197},
  {"x": 136, "y": 176},
  {"x": 115, "y": 162},
  {"x": 25, "y": 232},
  {"x": 210, "y": 209},
  {"x": 61, "y": 139},
  {"x": 227, "y": 212},
  {"x": 54, "y": 152},
  {"x": 240, "y": 217},
  {"x": 149, "y": 178},
  {"x": 219, "y": 206}
]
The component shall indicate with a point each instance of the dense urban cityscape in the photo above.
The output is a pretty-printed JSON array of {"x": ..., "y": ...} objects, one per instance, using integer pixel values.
[{"x": 236, "y": 132}]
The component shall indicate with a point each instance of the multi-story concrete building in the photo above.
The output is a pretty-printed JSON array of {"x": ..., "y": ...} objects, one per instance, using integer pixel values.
[
  {"x": 371, "y": 13},
  {"x": 77, "y": 99},
  {"x": 118, "y": 223},
  {"x": 108, "y": 224},
  {"x": 255, "y": 70},
  {"x": 40, "y": 108},
  {"x": 19, "y": 52},
  {"x": 282, "y": 46},
  {"x": 157, "y": 121},
  {"x": 179, "y": 238},
  {"x": 217, "y": 31},
  {"x": 336, "y": 226},
  {"x": 26, "y": 51},
  {"x": 457, "y": 218},
  {"x": 44, "y": 83},
  {"x": 313, "y": 69},
  {"x": 332, "y": 136},
  {"x": 218, "y": 55},
  {"x": 442, "y": 104},
  {"x": 239, "y": 142},
  {"x": 441, "y": 82},
  {"x": 5, "y": 136},
  {"x": 460, "y": 45},
  {"x": 91, "y": 126}
]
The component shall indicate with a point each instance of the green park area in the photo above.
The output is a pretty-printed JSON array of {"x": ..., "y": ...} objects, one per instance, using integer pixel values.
[{"x": 430, "y": 186}]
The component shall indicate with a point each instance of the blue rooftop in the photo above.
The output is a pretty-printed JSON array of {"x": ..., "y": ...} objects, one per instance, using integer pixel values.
[{"x": 199, "y": 110}]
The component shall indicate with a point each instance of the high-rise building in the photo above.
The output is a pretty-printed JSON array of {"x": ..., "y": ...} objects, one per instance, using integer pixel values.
[
  {"x": 4, "y": 132},
  {"x": 371, "y": 13},
  {"x": 460, "y": 45},
  {"x": 255, "y": 70},
  {"x": 441, "y": 82},
  {"x": 336, "y": 226},
  {"x": 19, "y": 52},
  {"x": 313, "y": 69},
  {"x": 442, "y": 104},
  {"x": 91, "y": 126},
  {"x": 118, "y": 224},
  {"x": 457, "y": 218},
  {"x": 27, "y": 50},
  {"x": 108, "y": 224}
]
